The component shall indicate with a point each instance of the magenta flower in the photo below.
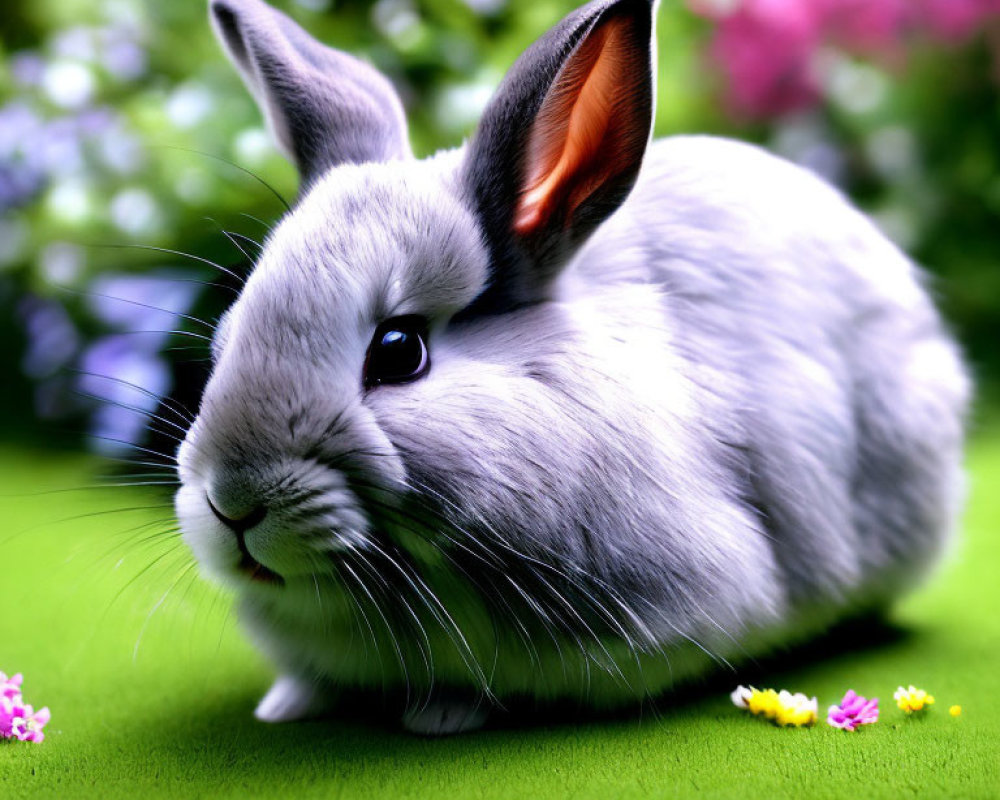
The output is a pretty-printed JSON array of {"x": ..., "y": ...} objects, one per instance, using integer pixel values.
[
  {"x": 28, "y": 725},
  {"x": 766, "y": 50},
  {"x": 10, "y": 687},
  {"x": 853, "y": 711},
  {"x": 6, "y": 717},
  {"x": 866, "y": 26},
  {"x": 18, "y": 720},
  {"x": 772, "y": 52}
]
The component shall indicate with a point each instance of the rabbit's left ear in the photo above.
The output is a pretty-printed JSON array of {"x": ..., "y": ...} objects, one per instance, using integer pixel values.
[
  {"x": 324, "y": 107},
  {"x": 560, "y": 144}
]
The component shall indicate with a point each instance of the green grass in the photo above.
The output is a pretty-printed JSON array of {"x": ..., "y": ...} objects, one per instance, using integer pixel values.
[{"x": 153, "y": 698}]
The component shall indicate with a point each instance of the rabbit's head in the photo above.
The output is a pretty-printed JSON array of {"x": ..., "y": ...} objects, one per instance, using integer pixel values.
[{"x": 401, "y": 374}]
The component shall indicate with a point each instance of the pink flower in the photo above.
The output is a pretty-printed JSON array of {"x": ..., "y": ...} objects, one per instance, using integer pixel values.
[
  {"x": 871, "y": 27},
  {"x": 954, "y": 20},
  {"x": 18, "y": 720},
  {"x": 853, "y": 711},
  {"x": 28, "y": 725},
  {"x": 21, "y": 721},
  {"x": 10, "y": 687},
  {"x": 765, "y": 48},
  {"x": 6, "y": 717},
  {"x": 770, "y": 51}
]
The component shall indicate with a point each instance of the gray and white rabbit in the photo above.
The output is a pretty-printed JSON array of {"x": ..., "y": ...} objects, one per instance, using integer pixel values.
[{"x": 561, "y": 414}]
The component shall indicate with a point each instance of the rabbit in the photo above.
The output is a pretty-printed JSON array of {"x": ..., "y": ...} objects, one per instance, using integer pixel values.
[{"x": 561, "y": 414}]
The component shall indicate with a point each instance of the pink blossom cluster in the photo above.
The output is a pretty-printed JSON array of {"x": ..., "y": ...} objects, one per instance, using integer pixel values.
[
  {"x": 853, "y": 711},
  {"x": 770, "y": 50},
  {"x": 18, "y": 720}
]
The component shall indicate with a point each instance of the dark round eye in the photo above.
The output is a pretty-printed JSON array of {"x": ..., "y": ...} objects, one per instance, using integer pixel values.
[{"x": 398, "y": 352}]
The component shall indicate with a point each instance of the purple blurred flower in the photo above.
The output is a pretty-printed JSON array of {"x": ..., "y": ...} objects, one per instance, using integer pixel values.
[
  {"x": 124, "y": 59},
  {"x": 52, "y": 337},
  {"x": 123, "y": 371},
  {"x": 76, "y": 43},
  {"x": 141, "y": 303},
  {"x": 19, "y": 123},
  {"x": 120, "y": 51},
  {"x": 130, "y": 379},
  {"x": 17, "y": 186},
  {"x": 96, "y": 121},
  {"x": 27, "y": 68},
  {"x": 853, "y": 711},
  {"x": 20, "y": 178},
  {"x": 58, "y": 150}
]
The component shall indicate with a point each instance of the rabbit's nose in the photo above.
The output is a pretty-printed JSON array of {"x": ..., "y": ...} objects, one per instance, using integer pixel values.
[{"x": 240, "y": 522}]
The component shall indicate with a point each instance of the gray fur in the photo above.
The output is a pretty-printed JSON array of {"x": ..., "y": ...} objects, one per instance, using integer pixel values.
[
  {"x": 732, "y": 418},
  {"x": 324, "y": 107}
]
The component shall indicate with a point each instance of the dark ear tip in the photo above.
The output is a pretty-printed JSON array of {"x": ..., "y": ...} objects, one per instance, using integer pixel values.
[
  {"x": 221, "y": 7},
  {"x": 639, "y": 8},
  {"x": 224, "y": 13},
  {"x": 229, "y": 18},
  {"x": 227, "y": 11}
]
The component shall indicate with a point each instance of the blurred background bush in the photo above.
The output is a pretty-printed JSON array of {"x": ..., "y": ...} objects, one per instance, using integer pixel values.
[{"x": 136, "y": 178}]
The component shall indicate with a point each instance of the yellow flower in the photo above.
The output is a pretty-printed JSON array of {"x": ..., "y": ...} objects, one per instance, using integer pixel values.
[
  {"x": 763, "y": 702},
  {"x": 782, "y": 708},
  {"x": 955, "y": 711},
  {"x": 796, "y": 709},
  {"x": 912, "y": 699}
]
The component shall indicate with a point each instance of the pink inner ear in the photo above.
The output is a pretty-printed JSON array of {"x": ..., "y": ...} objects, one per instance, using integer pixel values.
[{"x": 587, "y": 129}]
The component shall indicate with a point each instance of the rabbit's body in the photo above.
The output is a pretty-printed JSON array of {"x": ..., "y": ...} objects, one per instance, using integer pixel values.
[
  {"x": 718, "y": 421},
  {"x": 787, "y": 392},
  {"x": 825, "y": 364}
]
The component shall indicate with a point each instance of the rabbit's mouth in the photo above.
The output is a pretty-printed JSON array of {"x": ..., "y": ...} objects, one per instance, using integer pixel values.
[{"x": 256, "y": 571}]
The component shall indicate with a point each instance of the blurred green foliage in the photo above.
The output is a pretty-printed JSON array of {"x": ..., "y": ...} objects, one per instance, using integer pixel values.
[
  {"x": 123, "y": 128},
  {"x": 926, "y": 161}
]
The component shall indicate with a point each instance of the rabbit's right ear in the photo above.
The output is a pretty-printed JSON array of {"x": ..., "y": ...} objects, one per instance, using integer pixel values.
[
  {"x": 560, "y": 144},
  {"x": 324, "y": 107}
]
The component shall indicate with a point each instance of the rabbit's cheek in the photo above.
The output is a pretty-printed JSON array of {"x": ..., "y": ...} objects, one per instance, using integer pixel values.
[{"x": 213, "y": 547}]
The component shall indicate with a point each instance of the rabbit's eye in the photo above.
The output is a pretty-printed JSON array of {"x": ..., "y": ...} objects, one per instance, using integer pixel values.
[{"x": 398, "y": 352}]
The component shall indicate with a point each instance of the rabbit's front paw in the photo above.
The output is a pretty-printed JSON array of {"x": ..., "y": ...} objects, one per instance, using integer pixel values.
[{"x": 292, "y": 698}]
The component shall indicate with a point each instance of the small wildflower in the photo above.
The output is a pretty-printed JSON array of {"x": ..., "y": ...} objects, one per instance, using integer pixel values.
[
  {"x": 741, "y": 696},
  {"x": 912, "y": 699},
  {"x": 796, "y": 709},
  {"x": 10, "y": 687},
  {"x": 18, "y": 720},
  {"x": 853, "y": 711},
  {"x": 782, "y": 708},
  {"x": 763, "y": 703},
  {"x": 955, "y": 711},
  {"x": 28, "y": 724},
  {"x": 6, "y": 717}
]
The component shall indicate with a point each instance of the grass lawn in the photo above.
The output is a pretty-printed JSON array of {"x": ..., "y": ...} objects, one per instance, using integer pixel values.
[{"x": 151, "y": 686}]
